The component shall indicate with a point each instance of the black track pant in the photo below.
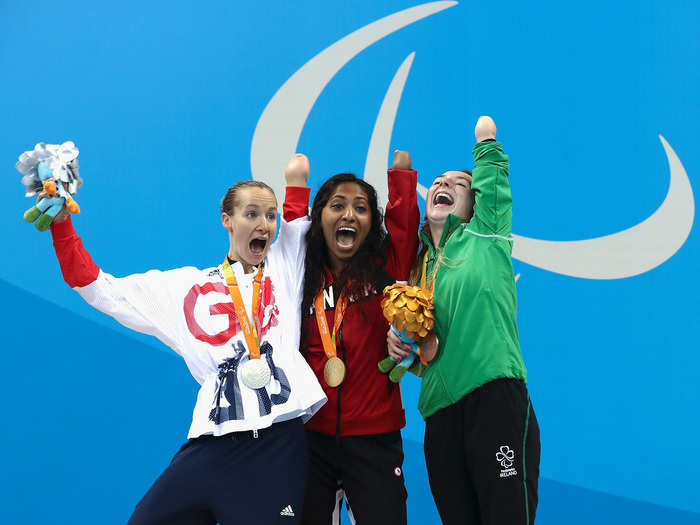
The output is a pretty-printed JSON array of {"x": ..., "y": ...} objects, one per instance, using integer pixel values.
[
  {"x": 483, "y": 456},
  {"x": 236, "y": 479},
  {"x": 367, "y": 468}
]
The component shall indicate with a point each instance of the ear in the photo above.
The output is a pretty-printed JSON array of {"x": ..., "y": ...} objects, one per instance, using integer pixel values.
[{"x": 226, "y": 221}]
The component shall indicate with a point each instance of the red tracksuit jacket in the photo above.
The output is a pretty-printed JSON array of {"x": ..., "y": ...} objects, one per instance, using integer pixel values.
[{"x": 367, "y": 402}]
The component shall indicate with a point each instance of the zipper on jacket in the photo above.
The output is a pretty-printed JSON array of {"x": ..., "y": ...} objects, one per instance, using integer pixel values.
[{"x": 340, "y": 387}]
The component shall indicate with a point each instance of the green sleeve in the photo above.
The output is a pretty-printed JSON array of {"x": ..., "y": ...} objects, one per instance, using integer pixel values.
[{"x": 492, "y": 198}]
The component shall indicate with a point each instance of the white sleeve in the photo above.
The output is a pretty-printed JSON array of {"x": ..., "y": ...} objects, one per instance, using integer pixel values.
[
  {"x": 290, "y": 248},
  {"x": 142, "y": 302}
]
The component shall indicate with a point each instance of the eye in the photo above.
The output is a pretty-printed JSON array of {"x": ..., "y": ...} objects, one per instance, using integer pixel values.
[
  {"x": 361, "y": 208},
  {"x": 462, "y": 184},
  {"x": 271, "y": 216},
  {"x": 336, "y": 206},
  {"x": 251, "y": 214}
]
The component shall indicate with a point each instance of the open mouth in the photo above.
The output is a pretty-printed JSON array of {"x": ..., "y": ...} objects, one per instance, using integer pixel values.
[
  {"x": 257, "y": 246},
  {"x": 443, "y": 199},
  {"x": 345, "y": 236}
]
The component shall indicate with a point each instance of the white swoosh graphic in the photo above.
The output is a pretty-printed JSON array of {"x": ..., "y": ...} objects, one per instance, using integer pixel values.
[
  {"x": 378, "y": 153},
  {"x": 619, "y": 255},
  {"x": 626, "y": 253},
  {"x": 623, "y": 254},
  {"x": 279, "y": 128}
]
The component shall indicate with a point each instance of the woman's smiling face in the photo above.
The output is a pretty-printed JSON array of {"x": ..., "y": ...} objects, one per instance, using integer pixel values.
[
  {"x": 346, "y": 220},
  {"x": 450, "y": 193},
  {"x": 251, "y": 225}
]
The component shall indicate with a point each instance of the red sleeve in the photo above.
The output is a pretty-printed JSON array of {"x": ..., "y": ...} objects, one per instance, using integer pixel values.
[
  {"x": 77, "y": 266},
  {"x": 296, "y": 202},
  {"x": 402, "y": 219}
]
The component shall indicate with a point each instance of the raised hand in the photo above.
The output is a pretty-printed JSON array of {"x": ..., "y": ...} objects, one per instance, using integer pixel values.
[
  {"x": 485, "y": 129},
  {"x": 297, "y": 171},
  {"x": 402, "y": 160}
]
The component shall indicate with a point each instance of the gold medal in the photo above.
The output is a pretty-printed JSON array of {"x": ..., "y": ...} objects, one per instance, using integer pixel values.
[
  {"x": 334, "y": 369},
  {"x": 334, "y": 372}
]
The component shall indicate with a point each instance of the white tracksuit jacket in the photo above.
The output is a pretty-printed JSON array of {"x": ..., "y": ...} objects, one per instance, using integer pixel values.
[{"x": 190, "y": 310}]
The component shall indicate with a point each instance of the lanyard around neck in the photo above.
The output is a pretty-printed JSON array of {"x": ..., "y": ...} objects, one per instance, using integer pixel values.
[
  {"x": 424, "y": 273},
  {"x": 250, "y": 332},
  {"x": 327, "y": 338}
]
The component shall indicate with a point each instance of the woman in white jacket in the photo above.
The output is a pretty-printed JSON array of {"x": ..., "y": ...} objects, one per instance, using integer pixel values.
[{"x": 237, "y": 327}]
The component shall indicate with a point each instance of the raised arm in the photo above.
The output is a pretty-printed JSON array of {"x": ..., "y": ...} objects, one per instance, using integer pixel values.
[
  {"x": 296, "y": 198},
  {"x": 77, "y": 266},
  {"x": 141, "y": 302},
  {"x": 492, "y": 196},
  {"x": 291, "y": 241},
  {"x": 402, "y": 216}
]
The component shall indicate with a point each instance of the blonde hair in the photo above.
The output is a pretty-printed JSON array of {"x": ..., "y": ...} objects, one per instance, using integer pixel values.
[{"x": 441, "y": 260}]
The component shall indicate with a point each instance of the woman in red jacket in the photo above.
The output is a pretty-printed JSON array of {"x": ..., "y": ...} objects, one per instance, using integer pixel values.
[{"x": 355, "y": 440}]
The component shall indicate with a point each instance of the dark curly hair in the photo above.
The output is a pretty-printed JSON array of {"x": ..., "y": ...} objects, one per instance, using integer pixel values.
[{"x": 365, "y": 267}]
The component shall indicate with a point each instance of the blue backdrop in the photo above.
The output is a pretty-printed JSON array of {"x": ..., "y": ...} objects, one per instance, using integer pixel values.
[{"x": 172, "y": 102}]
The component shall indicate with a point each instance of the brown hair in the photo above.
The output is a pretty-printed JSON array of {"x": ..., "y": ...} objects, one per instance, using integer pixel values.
[{"x": 231, "y": 199}]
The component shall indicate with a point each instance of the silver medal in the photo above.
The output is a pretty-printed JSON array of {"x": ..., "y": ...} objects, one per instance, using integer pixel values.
[{"x": 255, "y": 373}]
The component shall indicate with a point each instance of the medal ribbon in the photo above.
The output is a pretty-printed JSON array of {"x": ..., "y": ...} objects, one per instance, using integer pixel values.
[
  {"x": 250, "y": 333},
  {"x": 423, "y": 284},
  {"x": 320, "y": 311},
  {"x": 424, "y": 273}
]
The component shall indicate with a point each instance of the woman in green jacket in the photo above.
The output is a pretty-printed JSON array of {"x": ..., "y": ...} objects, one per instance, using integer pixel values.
[{"x": 482, "y": 446}]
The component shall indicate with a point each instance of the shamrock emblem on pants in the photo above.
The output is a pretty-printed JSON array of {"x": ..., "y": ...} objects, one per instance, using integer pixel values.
[{"x": 505, "y": 456}]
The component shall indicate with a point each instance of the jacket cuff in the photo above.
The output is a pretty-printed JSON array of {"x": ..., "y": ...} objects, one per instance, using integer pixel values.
[
  {"x": 401, "y": 182},
  {"x": 488, "y": 151},
  {"x": 392, "y": 171},
  {"x": 296, "y": 202},
  {"x": 64, "y": 230}
]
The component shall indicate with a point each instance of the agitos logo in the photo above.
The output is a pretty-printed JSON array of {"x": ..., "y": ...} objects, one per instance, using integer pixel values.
[
  {"x": 505, "y": 457},
  {"x": 615, "y": 256}
]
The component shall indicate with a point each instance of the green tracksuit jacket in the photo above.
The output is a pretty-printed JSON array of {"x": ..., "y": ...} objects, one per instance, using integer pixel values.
[{"x": 474, "y": 294}]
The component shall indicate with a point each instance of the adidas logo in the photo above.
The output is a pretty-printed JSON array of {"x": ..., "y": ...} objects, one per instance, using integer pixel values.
[{"x": 287, "y": 511}]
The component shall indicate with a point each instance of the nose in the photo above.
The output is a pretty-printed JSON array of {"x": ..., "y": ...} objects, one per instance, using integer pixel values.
[
  {"x": 349, "y": 213},
  {"x": 264, "y": 223}
]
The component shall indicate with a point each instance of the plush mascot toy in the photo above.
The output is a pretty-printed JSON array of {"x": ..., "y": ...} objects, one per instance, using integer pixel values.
[
  {"x": 409, "y": 309},
  {"x": 50, "y": 170}
]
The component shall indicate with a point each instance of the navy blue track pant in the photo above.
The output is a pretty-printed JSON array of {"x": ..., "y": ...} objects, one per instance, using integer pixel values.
[{"x": 236, "y": 479}]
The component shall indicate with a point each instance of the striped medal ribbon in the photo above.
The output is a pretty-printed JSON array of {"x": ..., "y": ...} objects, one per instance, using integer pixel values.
[{"x": 255, "y": 373}]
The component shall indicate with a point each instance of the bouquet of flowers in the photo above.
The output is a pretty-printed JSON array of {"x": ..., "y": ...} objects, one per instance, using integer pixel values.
[
  {"x": 52, "y": 171},
  {"x": 409, "y": 309}
]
